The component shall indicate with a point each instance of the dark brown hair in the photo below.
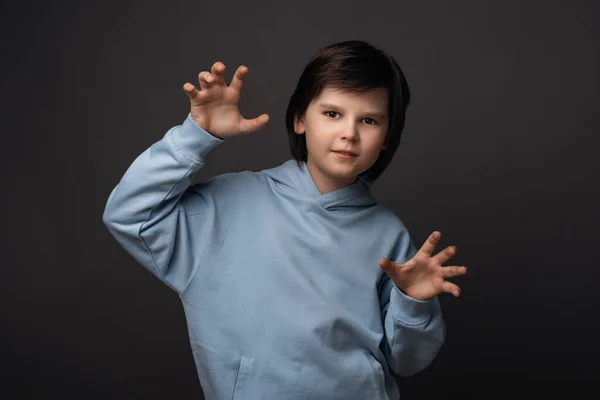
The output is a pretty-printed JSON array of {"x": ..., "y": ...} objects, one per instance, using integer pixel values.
[{"x": 355, "y": 66}]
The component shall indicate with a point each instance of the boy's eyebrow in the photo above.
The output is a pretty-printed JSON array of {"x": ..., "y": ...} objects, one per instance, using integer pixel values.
[{"x": 371, "y": 114}]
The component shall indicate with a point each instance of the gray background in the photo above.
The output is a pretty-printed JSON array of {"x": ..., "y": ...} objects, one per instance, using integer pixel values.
[{"x": 499, "y": 154}]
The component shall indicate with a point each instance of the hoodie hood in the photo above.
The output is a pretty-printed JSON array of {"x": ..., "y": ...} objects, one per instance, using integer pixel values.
[{"x": 298, "y": 178}]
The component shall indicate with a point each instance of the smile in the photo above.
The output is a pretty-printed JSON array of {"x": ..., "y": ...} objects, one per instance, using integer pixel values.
[{"x": 344, "y": 155}]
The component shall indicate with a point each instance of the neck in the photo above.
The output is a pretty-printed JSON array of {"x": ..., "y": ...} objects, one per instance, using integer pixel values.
[{"x": 327, "y": 184}]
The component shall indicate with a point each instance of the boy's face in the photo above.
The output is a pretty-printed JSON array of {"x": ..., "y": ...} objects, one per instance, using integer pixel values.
[{"x": 343, "y": 121}]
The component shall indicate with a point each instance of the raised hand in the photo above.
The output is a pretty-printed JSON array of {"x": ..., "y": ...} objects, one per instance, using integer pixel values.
[
  {"x": 423, "y": 276},
  {"x": 215, "y": 106}
]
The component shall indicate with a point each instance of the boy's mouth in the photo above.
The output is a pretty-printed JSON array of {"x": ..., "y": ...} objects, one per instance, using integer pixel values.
[{"x": 345, "y": 154}]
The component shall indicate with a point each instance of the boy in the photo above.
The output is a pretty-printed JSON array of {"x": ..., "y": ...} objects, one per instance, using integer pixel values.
[{"x": 277, "y": 270}]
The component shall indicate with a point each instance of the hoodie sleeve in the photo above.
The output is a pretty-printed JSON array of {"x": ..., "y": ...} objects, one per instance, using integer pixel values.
[
  {"x": 147, "y": 211},
  {"x": 414, "y": 329}
]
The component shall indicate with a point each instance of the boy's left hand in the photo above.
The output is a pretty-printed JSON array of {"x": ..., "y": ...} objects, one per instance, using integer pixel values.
[{"x": 423, "y": 276}]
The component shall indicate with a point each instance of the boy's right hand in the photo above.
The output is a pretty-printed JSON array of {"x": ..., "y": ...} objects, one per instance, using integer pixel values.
[{"x": 215, "y": 106}]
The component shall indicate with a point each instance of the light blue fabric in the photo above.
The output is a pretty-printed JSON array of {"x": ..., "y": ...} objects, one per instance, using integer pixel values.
[{"x": 282, "y": 291}]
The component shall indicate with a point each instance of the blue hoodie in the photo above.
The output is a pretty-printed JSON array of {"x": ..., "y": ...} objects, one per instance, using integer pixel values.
[{"x": 281, "y": 287}]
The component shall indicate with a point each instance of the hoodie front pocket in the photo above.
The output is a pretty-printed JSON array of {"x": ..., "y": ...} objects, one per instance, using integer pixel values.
[
  {"x": 221, "y": 372},
  {"x": 243, "y": 376},
  {"x": 378, "y": 375}
]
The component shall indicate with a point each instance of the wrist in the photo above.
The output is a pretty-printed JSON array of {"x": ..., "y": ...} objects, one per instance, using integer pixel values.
[
  {"x": 410, "y": 310},
  {"x": 202, "y": 124},
  {"x": 414, "y": 294}
]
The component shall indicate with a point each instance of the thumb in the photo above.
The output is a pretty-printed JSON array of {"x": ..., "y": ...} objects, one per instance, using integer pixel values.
[
  {"x": 387, "y": 265},
  {"x": 251, "y": 125}
]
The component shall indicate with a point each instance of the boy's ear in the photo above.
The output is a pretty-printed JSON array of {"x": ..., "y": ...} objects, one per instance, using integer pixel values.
[{"x": 299, "y": 125}]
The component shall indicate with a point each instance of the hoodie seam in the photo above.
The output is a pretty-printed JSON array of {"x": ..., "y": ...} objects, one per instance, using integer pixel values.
[
  {"x": 338, "y": 202},
  {"x": 143, "y": 225}
]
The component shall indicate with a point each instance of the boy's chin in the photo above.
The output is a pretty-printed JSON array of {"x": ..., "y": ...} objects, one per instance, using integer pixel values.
[{"x": 345, "y": 173}]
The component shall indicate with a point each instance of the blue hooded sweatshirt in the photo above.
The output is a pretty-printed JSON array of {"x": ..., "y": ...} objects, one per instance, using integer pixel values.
[{"x": 281, "y": 287}]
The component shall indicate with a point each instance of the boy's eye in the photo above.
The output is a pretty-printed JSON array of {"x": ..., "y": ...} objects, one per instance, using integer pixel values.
[{"x": 332, "y": 114}]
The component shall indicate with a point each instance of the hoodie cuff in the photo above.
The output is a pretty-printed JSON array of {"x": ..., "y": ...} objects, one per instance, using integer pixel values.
[
  {"x": 193, "y": 141},
  {"x": 410, "y": 311}
]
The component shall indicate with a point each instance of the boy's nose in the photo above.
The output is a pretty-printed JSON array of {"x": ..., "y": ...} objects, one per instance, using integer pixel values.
[{"x": 350, "y": 132}]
